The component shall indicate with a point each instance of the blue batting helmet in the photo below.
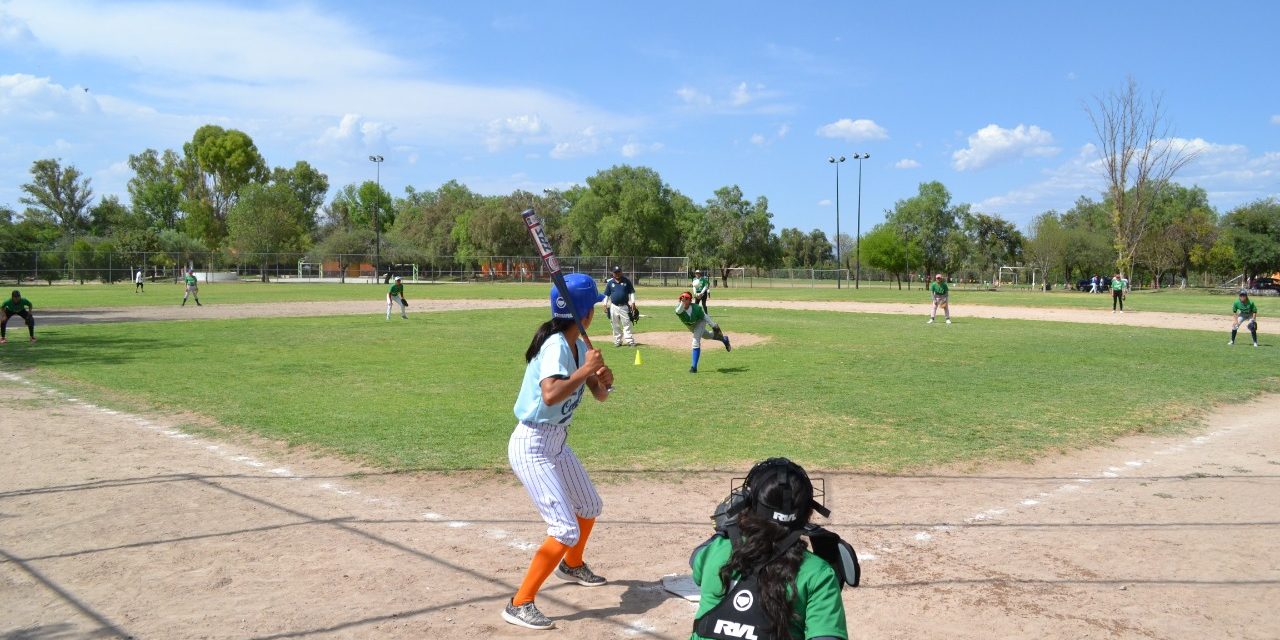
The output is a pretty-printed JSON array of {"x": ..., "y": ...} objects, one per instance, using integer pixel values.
[{"x": 583, "y": 293}]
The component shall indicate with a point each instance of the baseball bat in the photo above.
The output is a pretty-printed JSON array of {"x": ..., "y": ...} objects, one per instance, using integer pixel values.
[{"x": 549, "y": 259}]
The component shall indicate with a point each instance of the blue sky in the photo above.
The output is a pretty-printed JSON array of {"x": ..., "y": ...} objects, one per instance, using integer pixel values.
[{"x": 987, "y": 98}]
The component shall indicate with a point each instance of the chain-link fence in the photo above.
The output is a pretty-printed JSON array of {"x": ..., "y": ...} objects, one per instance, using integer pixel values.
[{"x": 92, "y": 266}]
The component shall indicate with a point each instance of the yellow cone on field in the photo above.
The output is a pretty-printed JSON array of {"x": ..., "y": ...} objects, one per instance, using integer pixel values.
[{"x": 639, "y": 360}]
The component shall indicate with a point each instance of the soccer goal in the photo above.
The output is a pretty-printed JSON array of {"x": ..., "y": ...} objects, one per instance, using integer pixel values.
[{"x": 1016, "y": 276}]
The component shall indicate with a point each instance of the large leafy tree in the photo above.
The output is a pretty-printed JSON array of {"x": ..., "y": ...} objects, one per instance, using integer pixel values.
[
  {"x": 265, "y": 220},
  {"x": 58, "y": 194},
  {"x": 1185, "y": 222},
  {"x": 1254, "y": 230},
  {"x": 109, "y": 215},
  {"x": 155, "y": 189},
  {"x": 934, "y": 224},
  {"x": 888, "y": 248},
  {"x": 308, "y": 185},
  {"x": 626, "y": 211},
  {"x": 994, "y": 241},
  {"x": 217, "y": 164},
  {"x": 1046, "y": 247},
  {"x": 742, "y": 231},
  {"x": 425, "y": 219}
]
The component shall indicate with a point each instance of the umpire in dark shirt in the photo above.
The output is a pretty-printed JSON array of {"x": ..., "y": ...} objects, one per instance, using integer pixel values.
[{"x": 622, "y": 304}]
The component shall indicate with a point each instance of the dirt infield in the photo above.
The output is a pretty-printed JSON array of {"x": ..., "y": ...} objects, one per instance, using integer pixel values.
[
  {"x": 363, "y": 307},
  {"x": 123, "y": 525}
]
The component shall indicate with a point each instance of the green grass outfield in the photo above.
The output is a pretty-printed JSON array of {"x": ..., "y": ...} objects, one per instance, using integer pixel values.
[
  {"x": 836, "y": 390},
  {"x": 65, "y": 296}
]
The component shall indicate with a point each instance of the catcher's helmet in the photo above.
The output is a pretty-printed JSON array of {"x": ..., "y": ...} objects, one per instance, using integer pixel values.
[{"x": 686, "y": 296}]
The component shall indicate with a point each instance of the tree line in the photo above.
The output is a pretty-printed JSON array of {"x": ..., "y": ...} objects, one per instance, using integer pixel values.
[{"x": 219, "y": 195}]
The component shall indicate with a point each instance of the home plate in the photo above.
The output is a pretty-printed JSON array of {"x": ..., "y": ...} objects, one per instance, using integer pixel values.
[{"x": 682, "y": 585}]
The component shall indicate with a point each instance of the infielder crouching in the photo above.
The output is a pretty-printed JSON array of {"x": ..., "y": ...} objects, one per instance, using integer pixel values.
[
  {"x": 701, "y": 325},
  {"x": 17, "y": 305},
  {"x": 395, "y": 295},
  {"x": 1245, "y": 312},
  {"x": 941, "y": 298},
  {"x": 560, "y": 367}
]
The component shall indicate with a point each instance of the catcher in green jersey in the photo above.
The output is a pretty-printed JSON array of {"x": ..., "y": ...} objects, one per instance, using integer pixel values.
[
  {"x": 17, "y": 305},
  {"x": 701, "y": 325},
  {"x": 395, "y": 295},
  {"x": 1245, "y": 311},
  {"x": 941, "y": 298},
  {"x": 193, "y": 288}
]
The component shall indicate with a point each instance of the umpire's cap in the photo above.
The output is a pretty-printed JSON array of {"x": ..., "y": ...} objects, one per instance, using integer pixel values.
[{"x": 617, "y": 269}]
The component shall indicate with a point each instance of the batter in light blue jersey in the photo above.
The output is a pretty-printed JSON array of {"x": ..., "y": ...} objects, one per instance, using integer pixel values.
[{"x": 560, "y": 369}]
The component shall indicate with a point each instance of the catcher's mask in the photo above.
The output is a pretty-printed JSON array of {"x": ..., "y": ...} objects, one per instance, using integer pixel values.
[{"x": 777, "y": 489}]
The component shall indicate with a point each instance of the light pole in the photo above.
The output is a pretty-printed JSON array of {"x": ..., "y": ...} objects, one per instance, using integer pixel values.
[
  {"x": 377, "y": 228},
  {"x": 836, "y": 162},
  {"x": 857, "y": 243}
]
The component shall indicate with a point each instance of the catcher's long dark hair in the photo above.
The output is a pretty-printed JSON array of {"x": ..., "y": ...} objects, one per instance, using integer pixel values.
[
  {"x": 759, "y": 536},
  {"x": 546, "y": 330}
]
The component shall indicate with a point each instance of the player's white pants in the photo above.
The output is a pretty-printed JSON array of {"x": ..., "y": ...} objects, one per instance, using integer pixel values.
[
  {"x": 940, "y": 301},
  {"x": 704, "y": 329},
  {"x": 403, "y": 308},
  {"x": 620, "y": 318},
  {"x": 554, "y": 478}
]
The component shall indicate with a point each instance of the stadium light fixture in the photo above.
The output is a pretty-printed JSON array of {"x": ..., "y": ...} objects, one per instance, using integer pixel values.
[{"x": 833, "y": 160}]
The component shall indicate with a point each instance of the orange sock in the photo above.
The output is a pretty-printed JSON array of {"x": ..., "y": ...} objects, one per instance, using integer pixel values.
[
  {"x": 574, "y": 557},
  {"x": 545, "y": 560}
]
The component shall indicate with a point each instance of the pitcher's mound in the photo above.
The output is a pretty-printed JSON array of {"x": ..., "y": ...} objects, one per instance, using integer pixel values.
[{"x": 682, "y": 340}]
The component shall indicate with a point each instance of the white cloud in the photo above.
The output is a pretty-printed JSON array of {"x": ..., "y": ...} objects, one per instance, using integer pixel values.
[
  {"x": 906, "y": 163},
  {"x": 585, "y": 143},
  {"x": 512, "y": 130},
  {"x": 1275, "y": 119},
  {"x": 1081, "y": 175},
  {"x": 783, "y": 131},
  {"x": 693, "y": 97},
  {"x": 633, "y": 148},
  {"x": 853, "y": 130},
  {"x": 825, "y": 202},
  {"x": 41, "y": 98},
  {"x": 355, "y": 131},
  {"x": 992, "y": 144},
  {"x": 757, "y": 139},
  {"x": 13, "y": 31},
  {"x": 742, "y": 94}
]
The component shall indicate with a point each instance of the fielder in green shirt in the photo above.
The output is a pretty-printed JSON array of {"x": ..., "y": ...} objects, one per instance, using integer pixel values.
[
  {"x": 17, "y": 305},
  {"x": 1244, "y": 311},
  {"x": 193, "y": 288},
  {"x": 941, "y": 298},
  {"x": 1117, "y": 292},
  {"x": 701, "y": 288},
  {"x": 395, "y": 295}
]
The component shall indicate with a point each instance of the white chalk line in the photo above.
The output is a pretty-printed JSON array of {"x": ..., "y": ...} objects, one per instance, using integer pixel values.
[
  {"x": 249, "y": 461},
  {"x": 1027, "y": 503}
]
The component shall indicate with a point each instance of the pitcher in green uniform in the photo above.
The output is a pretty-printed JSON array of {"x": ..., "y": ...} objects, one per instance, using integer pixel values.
[
  {"x": 701, "y": 325},
  {"x": 395, "y": 295},
  {"x": 17, "y": 305},
  {"x": 193, "y": 288},
  {"x": 941, "y": 298},
  {"x": 1244, "y": 310}
]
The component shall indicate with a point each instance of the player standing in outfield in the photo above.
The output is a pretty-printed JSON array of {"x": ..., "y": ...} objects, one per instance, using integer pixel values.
[
  {"x": 1117, "y": 293},
  {"x": 1244, "y": 311},
  {"x": 798, "y": 592},
  {"x": 698, "y": 322},
  {"x": 396, "y": 295},
  {"x": 701, "y": 288},
  {"x": 941, "y": 298},
  {"x": 621, "y": 295},
  {"x": 17, "y": 305},
  {"x": 137, "y": 282},
  {"x": 193, "y": 288},
  {"x": 559, "y": 367}
]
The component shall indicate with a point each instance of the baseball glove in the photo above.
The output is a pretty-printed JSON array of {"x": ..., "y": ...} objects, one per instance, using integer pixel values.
[
  {"x": 717, "y": 333},
  {"x": 635, "y": 314},
  {"x": 1253, "y": 325},
  {"x": 404, "y": 302}
]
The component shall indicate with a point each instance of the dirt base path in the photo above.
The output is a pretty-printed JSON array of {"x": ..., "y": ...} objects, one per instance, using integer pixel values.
[
  {"x": 365, "y": 307},
  {"x": 114, "y": 524}
]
